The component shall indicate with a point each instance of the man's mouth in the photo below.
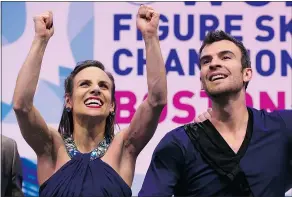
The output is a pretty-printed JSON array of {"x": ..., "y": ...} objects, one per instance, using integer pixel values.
[{"x": 217, "y": 77}]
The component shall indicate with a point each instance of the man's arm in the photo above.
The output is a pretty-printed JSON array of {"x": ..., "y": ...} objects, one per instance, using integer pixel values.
[
  {"x": 286, "y": 126},
  {"x": 286, "y": 115},
  {"x": 165, "y": 168}
]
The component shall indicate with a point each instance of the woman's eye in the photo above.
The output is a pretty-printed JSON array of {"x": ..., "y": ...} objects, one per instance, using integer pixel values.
[
  {"x": 104, "y": 86},
  {"x": 84, "y": 84}
]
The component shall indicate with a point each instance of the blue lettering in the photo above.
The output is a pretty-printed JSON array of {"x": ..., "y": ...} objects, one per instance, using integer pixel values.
[
  {"x": 257, "y": 3},
  {"x": 284, "y": 28},
  {"x": 190, "y": 28},
  {"x": 139, "y": 35},
  {"x": 163, "y": 28},
  {"x": 203, "y": 25},
  {"x": 116, "y": 62},
  {"x": 177, "y": 64},
  {"x": 141, "y": 61},
  {"x": 229, "y": 27},
  {"x": 193, "y": 61},
  {"x": 286, "y": 60},
  {"x": 215, "y": 3},
  {"x": 118, "y": 27},
  {"x": 268, "y": 29},
  {"x": 272, "y": 63},
  {"x": 251, "y": 3}
]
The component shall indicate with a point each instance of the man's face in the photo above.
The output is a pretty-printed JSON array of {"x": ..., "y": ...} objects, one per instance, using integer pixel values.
[{"x": 221, "y": 68}]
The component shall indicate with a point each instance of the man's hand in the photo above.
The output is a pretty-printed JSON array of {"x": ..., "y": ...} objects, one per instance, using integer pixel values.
[{"x": 204, "y": 116}]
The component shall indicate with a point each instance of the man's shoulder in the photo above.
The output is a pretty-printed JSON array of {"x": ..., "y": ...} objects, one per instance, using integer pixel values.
[
  {"x": 176, "y": 133},
  {"x": 176, "y": 137},
  {"x": 273, "y": 120},
  {"x": 275, "y": 114}
]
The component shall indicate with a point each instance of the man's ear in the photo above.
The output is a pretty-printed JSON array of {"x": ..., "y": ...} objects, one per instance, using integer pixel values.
[{"x": 247, "y": 75}]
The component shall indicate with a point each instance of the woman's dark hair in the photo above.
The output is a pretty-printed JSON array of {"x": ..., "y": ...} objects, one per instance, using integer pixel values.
[{"x": 66, "y": 124}]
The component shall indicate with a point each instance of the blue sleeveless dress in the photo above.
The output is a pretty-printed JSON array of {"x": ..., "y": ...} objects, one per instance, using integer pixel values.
[{"x": 85, "y": 175}]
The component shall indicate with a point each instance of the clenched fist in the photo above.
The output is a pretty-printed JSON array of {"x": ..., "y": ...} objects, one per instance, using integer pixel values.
[
  {"x": 43, "y": 23},
  {"x": 147, "y": 21}
]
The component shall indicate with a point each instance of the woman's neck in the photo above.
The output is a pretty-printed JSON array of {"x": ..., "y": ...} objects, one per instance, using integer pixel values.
[{"x": 88, "y": 133}]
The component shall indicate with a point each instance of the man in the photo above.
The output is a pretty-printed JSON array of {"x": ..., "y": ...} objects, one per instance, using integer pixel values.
[
  {"x": 11, "y": 174},
  {"x": 237, "y": 151}
]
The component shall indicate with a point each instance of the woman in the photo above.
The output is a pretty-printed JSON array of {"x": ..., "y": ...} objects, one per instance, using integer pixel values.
[{"x": 84, "y": 157}]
